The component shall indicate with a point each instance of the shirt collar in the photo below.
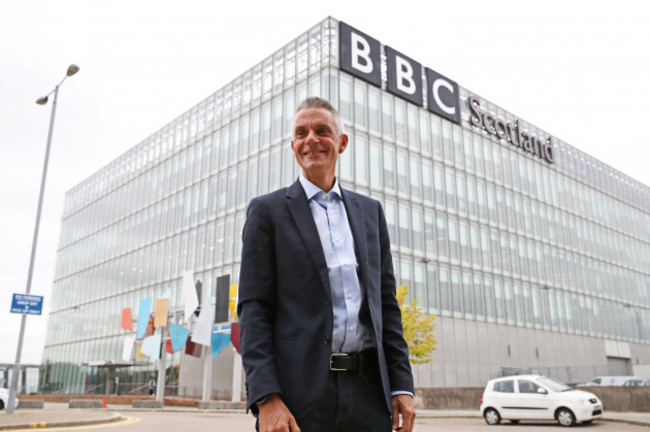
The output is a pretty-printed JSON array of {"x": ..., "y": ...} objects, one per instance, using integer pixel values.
[{"x": 311, "y": 189}]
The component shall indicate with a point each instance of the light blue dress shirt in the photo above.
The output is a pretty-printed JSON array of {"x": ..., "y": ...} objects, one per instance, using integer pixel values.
[{"x": 349, "y": 335}]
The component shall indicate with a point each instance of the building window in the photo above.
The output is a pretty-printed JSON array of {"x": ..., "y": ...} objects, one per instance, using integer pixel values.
[
  {"x": 360, "y": 148},
  {"x": 375, "y": 152},
  {"x": 404, "y": 226},
  {"x": 389, "y": 167}
]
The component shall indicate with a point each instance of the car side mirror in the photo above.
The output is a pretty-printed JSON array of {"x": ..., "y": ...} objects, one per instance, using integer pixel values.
[{"x": 542, "y": 391}]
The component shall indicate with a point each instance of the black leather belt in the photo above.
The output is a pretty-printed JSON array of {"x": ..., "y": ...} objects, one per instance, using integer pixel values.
[{"x": 353, "y": 362}]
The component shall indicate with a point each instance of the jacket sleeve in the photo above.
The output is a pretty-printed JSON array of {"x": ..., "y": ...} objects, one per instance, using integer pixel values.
[
  {"x": 256, "y": 305},
  {"x": 395, "y": 347}
]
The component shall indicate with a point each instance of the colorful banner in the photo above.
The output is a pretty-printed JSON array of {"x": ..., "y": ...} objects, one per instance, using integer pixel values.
[
  {"x": 219, "y": 342},
  {"x": 127, "y": 347},
  {"x": 233, "y": 300},
  {"x": 127, "y": 321},
  {"x": 234, "y": 337},
  {"x": 151, "y": 346},
  {"x": 168, "y": 345},
  {"x": 139, "y": 354},
  {"x": 143, "y": 316},
  {"x": 189, "y": 294},
  {"x": 220, "y": 338},
  {"x": 193, "y": 349},
  {"x": 162, "y": 309},
  {"x": 178, "y": 336},
  {"x": 203, "y": 327},
  {"x": 150, "y": 328}
]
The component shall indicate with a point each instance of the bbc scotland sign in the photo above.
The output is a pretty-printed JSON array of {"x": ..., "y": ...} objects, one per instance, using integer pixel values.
[
  {"x": 27, "y": 304},
  {"x": 360, "y": 55}
]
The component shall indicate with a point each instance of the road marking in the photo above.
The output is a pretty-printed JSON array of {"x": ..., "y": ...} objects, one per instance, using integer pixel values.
[{"x": 124, "y": 420}]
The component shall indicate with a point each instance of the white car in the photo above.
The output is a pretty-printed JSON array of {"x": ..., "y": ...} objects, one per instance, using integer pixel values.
[
  {"x": 609, "y": 381},
  {"x": 4, "y": 398},
  {"x": 636, "y": 381},
  {"x": 535, "y": 397}
]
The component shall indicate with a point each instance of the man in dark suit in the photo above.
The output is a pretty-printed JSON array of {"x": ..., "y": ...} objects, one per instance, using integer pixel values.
[{"x": 321, "y": 330}]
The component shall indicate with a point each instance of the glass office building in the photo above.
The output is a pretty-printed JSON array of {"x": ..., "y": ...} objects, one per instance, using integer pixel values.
[{"x": 533, "y": 255}]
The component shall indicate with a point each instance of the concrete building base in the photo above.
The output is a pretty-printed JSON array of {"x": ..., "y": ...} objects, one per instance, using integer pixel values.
[
  {"x": 147, "y": 403},
  {"x": 85, "y": 403},
  {"x": 31, "y": 404},
  {"x": 222, "y": 405}
]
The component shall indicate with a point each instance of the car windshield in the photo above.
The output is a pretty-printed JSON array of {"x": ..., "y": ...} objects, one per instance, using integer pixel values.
[{"x": 554, "y": 385}]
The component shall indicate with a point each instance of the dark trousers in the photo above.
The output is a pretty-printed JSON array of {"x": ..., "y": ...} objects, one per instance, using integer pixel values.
[
  {"x": 352, "y": 402},
  {"x": 357, "y": 404}
]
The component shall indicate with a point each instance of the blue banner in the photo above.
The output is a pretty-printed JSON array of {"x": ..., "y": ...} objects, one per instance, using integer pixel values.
[{"x": 143, "y": 316}]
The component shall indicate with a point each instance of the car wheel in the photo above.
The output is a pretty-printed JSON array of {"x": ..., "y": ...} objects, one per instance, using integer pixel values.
[
  {"x": 514, "y": 421},
  {"x": 2, "y": 405},
  {"x": 565, "y": 417},
  {"x": 491, "y": 416}
]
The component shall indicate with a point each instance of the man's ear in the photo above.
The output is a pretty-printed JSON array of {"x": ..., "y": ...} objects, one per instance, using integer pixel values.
[{"x": 344, "y": 143}]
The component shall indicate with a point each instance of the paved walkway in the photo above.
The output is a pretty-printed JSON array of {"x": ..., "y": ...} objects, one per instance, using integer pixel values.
[
  {"x": 54, "y": 417},
  {"x": 59, "y": 415}
]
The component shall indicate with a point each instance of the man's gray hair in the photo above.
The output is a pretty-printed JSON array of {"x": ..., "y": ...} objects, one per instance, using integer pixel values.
[{"x": 317, "y": 102}]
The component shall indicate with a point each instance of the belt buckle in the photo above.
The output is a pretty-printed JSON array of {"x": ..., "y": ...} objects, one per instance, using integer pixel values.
[{"x": 334, "y": 355}]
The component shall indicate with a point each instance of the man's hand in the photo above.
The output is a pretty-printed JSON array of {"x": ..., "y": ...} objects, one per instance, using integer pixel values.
[
  {"x": 274, "y": 416},
  {"x": 404, "y": 407}
]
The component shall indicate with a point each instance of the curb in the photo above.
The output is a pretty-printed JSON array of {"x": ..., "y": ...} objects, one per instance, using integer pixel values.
[
  {"x": 66, "y": 423},
  {"x": 180, "y": 410},
  {"x": 630, "y": 422}
]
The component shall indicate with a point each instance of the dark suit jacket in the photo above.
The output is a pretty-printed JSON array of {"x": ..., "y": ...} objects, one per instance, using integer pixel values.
[{"x": 284, "y": 306}]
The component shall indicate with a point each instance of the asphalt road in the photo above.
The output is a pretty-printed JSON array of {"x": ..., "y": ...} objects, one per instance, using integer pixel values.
[{"x": 144, "y": 421}]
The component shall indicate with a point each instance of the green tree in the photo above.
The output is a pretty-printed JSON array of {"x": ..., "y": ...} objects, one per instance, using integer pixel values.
[{"x": 418, "y": 329}]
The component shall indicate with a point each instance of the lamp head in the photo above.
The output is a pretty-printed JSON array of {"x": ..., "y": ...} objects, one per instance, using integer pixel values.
[
  {"x": 42, "y": 100},
  {"x": 72, "y": 69}
]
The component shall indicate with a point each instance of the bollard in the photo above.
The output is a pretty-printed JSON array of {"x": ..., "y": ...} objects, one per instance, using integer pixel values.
[{"x": 104, "y": 402}]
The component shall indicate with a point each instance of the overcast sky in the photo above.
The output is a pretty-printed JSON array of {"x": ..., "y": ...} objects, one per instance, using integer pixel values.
[{"x": 576, "y": 69}]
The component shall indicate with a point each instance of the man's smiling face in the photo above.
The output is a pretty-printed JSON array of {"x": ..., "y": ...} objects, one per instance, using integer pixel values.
[{"x": 316, "y": 145}]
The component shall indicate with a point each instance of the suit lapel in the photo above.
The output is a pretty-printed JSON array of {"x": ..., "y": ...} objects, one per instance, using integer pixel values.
[
  {"x": 358, "y": 229},
  {"x": 304, "y": 220}
]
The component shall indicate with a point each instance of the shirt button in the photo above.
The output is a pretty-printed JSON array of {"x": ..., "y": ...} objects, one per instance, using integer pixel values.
[
  {"x": 351, "y": 328},
  {"x": 349, "y": 296}
]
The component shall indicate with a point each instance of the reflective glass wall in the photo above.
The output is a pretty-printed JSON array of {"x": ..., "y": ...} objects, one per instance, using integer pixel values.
[
  {"x": 480, "y": 230},
  {"x": 484, "y": 231}
]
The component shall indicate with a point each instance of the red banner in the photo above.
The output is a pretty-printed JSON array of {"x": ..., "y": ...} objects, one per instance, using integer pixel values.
[
  {"x": 234, "y": 336},
  {"x": 126, "y": 319}
]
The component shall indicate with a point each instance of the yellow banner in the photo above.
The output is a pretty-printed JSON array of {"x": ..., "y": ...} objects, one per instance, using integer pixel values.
[{"x": 233, "y": 300}]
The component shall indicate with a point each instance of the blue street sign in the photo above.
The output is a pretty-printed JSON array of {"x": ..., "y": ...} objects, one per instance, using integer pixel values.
[{"x": 27, "y": 304}]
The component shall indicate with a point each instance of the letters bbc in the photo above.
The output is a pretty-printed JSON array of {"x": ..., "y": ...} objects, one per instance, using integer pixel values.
[
  {"x": 360, "y": 54},
  {"x": 404, "y": 76},
  {"x": 443, "y": 96}
]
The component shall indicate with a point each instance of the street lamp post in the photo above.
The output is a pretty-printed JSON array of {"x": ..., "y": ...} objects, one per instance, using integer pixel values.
[{"x": 72, "y": 69}]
